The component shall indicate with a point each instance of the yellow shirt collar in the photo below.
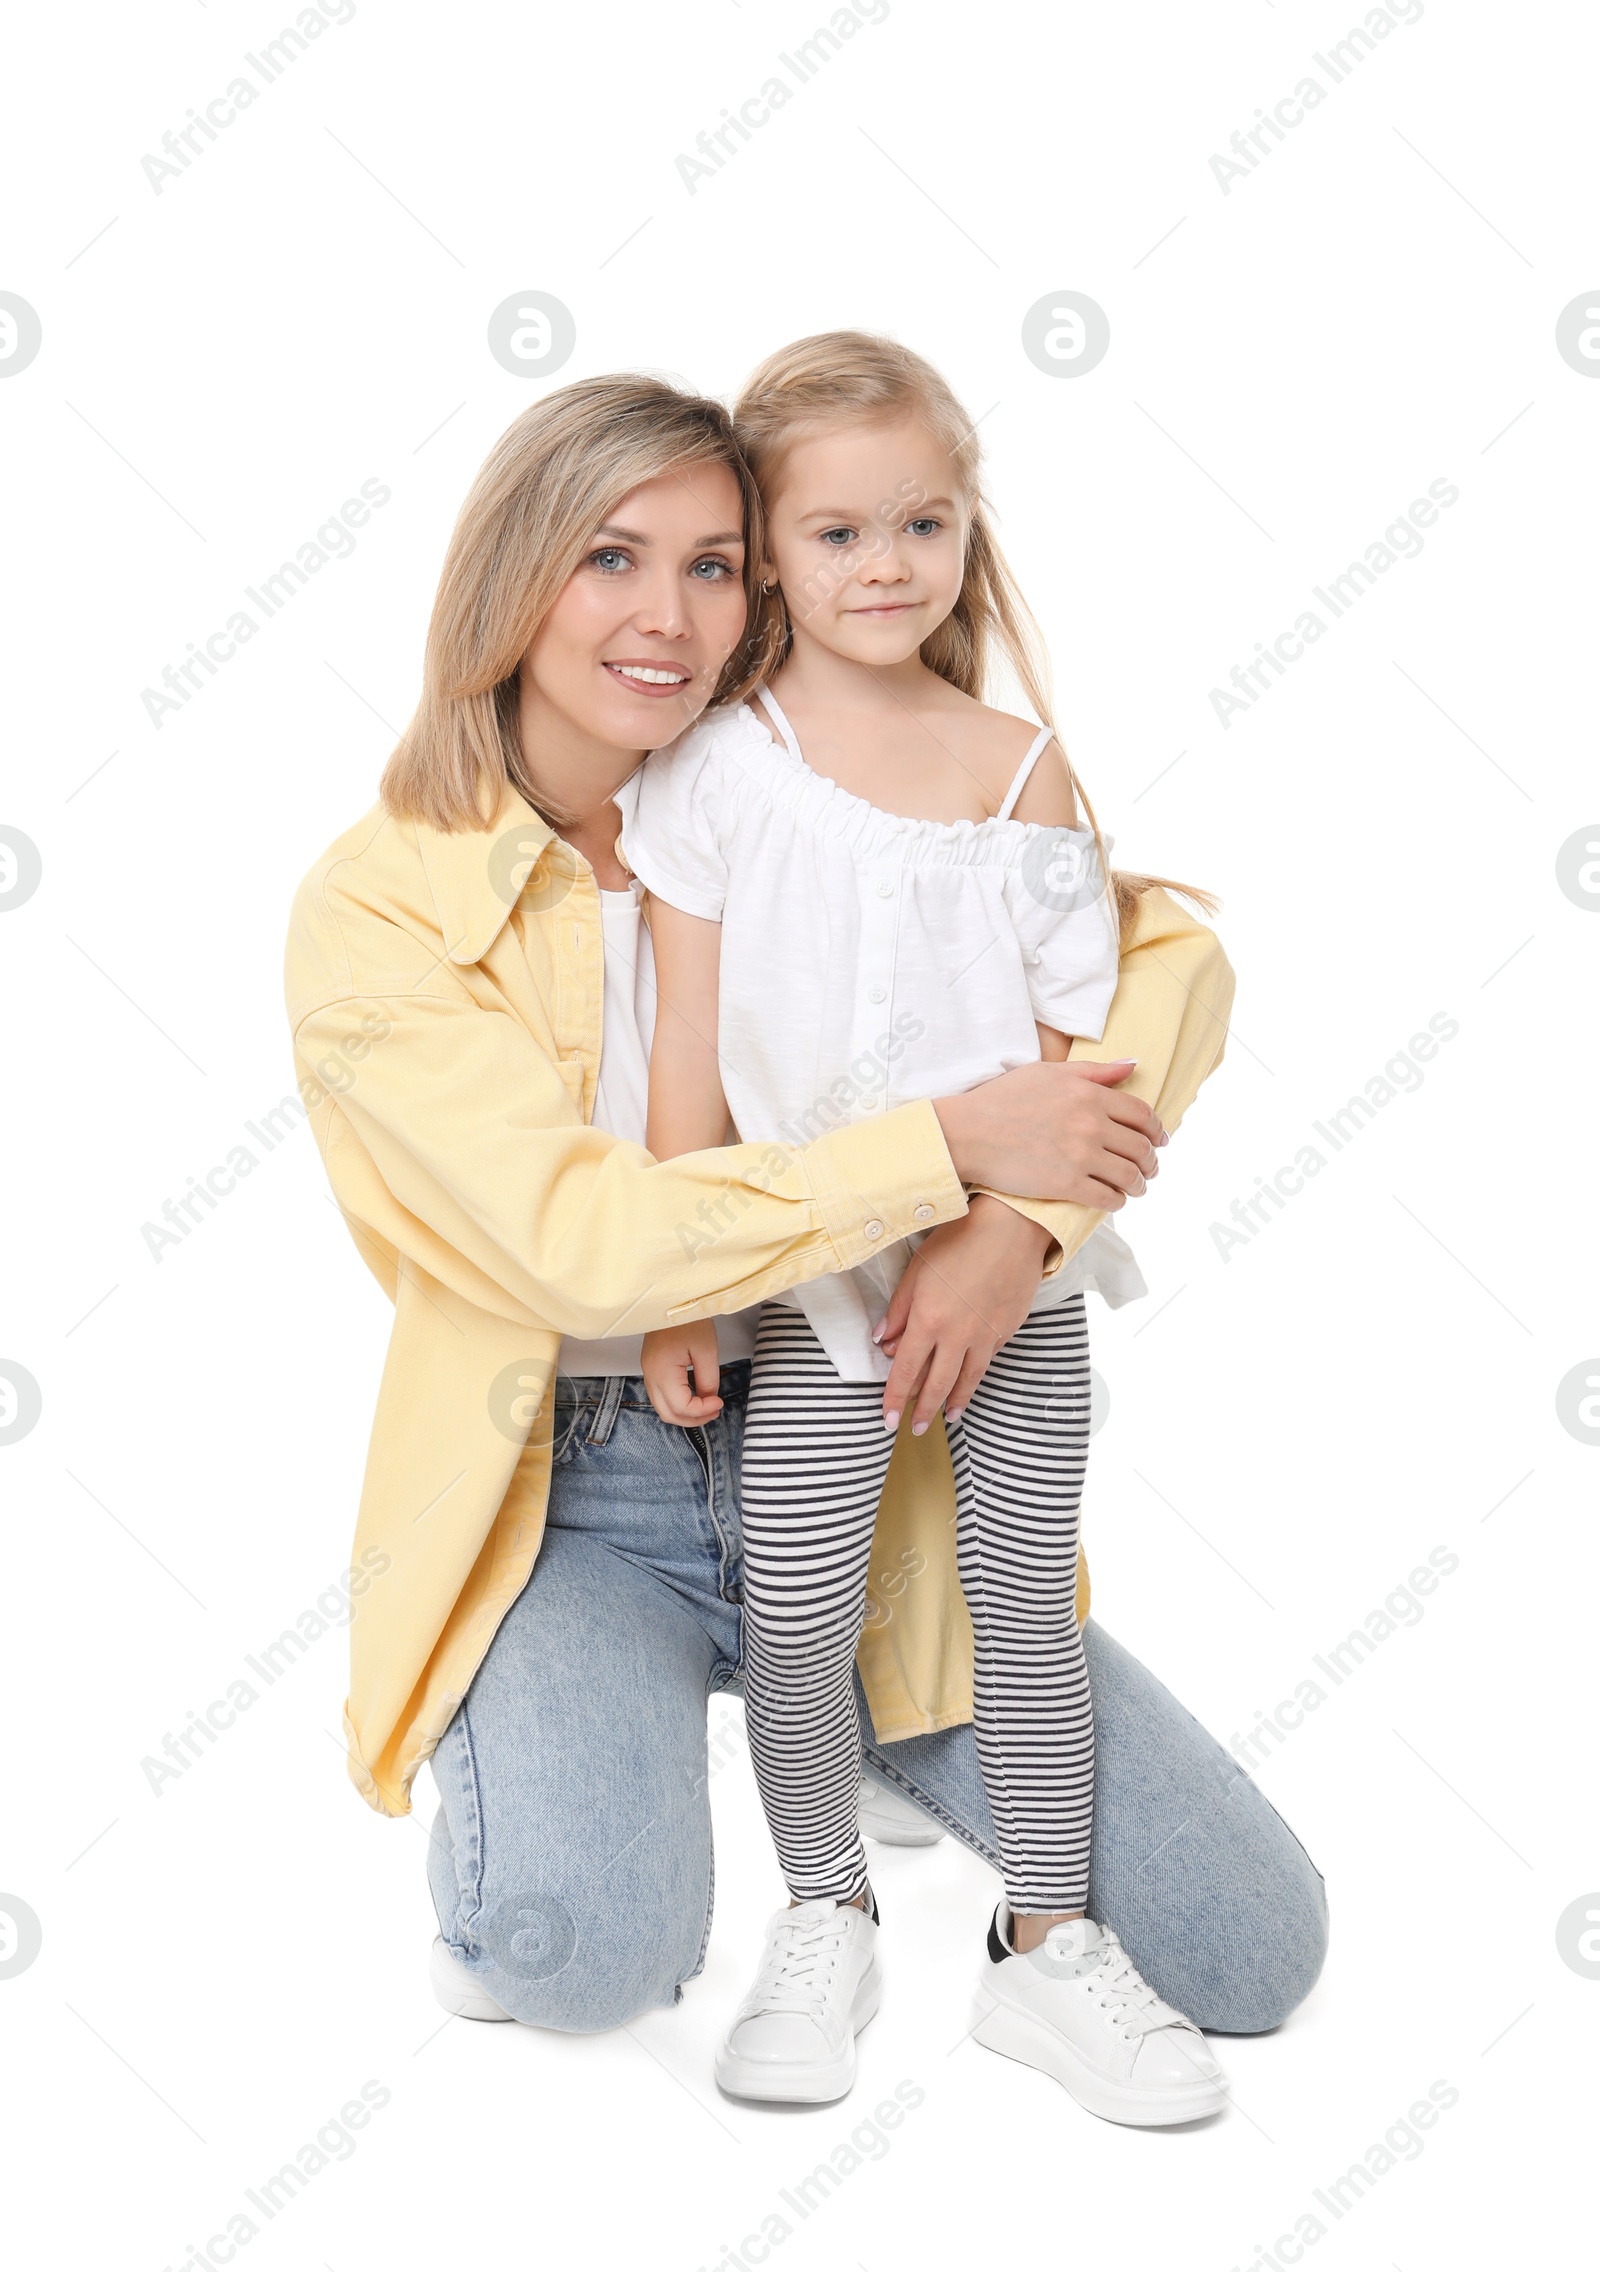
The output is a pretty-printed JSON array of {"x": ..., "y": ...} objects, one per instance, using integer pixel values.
[{"x": 476, "y": 875}]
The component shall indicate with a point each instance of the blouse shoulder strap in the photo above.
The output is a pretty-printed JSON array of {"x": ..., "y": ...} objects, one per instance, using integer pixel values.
[
  {"x": 769, "y": 701},
  {"x": 1040, "y": 743}
]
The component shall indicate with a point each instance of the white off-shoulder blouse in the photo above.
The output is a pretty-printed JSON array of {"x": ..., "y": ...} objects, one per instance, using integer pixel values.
[{"x": 868, "y": 960}]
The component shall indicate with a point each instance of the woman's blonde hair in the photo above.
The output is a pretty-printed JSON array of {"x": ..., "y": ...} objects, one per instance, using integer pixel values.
[
  {"x": 529, "y": 517},
  {"x": 839, "y": 377}
]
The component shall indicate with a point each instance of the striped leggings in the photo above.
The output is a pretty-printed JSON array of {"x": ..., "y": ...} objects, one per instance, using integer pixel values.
[{"x": 815, "y": 1456}]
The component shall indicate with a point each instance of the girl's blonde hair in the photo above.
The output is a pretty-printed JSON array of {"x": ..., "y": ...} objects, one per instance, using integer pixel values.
[
  {"x": 839, "y": 377},
  {"x": 545, "y": 487}
]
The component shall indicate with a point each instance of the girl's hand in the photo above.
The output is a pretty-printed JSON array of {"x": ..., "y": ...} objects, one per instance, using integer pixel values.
[
  {"x": 681, "y": 1372},
  {"x": 966, "y": 1290}
]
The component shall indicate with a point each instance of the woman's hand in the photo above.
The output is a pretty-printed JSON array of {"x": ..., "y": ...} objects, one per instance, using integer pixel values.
[
  {"x": 1055, "y": 1132},
  {"x": 966, "y": 1290}
]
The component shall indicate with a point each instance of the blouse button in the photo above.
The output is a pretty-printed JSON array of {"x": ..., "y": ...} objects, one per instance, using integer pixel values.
[
  {"x": 877, "y": 993},
  {"x": 886, "y": 889},
  {"x": 873, "y": 1228},
  {"x": 922, "y": 1214}
]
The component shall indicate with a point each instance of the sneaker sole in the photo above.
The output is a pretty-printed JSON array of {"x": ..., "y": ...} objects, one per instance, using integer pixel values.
[
  {"x": 797, "y": 2083},
  {"x": 454, "y": 1990},
  {"x": 894, "y": 1830},
  {"x": 1019, "y": 2035}
]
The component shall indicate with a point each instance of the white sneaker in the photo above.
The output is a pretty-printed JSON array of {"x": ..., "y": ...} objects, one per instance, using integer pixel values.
[
  {"x": 818, "y": 1984},
  {"x": 1077, "y": 2009},
  {"x": 892, "y": 1819},
  {"x": 455, "y": 1988}
]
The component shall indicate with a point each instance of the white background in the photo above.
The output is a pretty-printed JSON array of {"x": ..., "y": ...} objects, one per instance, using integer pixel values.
[{"x": 1371, "y": 1376}]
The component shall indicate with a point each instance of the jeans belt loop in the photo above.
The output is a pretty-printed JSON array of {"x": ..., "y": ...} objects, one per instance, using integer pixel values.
[{"x": 606, "y": 1413}]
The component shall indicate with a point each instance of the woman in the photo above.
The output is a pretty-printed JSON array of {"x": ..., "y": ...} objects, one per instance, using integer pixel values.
[{"x": 548, "y": 1575}]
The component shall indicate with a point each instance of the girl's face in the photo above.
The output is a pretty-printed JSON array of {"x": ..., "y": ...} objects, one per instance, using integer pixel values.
[
  {"x": 867, "y": 535},
  {"x": 632, "y": 649}
]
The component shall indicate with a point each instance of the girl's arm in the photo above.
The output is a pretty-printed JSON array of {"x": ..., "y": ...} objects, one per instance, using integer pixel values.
[
  {"x": 1047, "y": 801},
  {"x": 688, "y": 1113}
]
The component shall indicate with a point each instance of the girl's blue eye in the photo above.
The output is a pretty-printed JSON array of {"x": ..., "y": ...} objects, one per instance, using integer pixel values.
[
  {"x": 840, "y": 539},
  {"x": 923, "y": 527}
]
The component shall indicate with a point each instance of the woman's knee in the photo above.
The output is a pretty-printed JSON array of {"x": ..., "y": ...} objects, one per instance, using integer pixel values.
[
  {"x": 554, "y": 1959},
  {"x": 1221, "y": 1906},
  {"x": 1257, "y": 1950},
  {"x": 1264, "y": 1963}
]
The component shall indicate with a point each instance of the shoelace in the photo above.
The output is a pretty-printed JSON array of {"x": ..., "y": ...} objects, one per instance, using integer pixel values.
[
  {"x": 798, "y": 1969},
  {"x": 1130, "y": 1995}
]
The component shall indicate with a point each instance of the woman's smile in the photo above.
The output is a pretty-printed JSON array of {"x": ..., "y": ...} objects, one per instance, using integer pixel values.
[{"x": 648, "y": 676}]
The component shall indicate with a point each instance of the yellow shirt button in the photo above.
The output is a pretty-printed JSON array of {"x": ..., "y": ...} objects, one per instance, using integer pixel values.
[
  {"x": 922, "y": 1214},
  {"x": 873, "y": 1228}
]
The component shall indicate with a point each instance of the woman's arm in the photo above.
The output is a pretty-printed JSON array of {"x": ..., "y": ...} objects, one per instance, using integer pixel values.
[
  {"x": 965, "y": 1291},
  {"x": 1173, "y": 996},
  {"x": 1169, "y": 1014},
  {"x": 455, "y": 1140}
]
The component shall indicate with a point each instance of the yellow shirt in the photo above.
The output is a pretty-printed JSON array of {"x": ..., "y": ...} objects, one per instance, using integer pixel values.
[{"x": 447, "y": 1041}]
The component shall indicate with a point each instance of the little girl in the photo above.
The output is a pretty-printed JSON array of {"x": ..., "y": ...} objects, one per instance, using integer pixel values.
[{"x": 867, "y": 887}]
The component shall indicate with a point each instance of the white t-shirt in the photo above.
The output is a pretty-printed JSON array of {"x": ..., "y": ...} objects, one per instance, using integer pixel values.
[
  {"x": 621, "y": 1103},
  {"x": 869, "y": 960}
]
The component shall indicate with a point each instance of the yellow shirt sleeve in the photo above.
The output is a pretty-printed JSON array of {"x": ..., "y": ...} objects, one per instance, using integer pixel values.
[
  {"x": 454, "y": 1139},
  {"x": 1170, "y": 1011}
]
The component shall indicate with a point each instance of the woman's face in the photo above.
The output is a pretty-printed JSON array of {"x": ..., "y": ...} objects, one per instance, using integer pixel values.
[{"x": 631, "y": 651}]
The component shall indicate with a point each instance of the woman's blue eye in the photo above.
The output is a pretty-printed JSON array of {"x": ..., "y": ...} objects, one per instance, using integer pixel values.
[
  {"x": 608, "y": 559},
  {"x": 719, "y": 569}
]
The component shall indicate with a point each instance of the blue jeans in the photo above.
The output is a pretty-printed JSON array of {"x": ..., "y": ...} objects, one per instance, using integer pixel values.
[{"x": 571, "y": 1864}]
